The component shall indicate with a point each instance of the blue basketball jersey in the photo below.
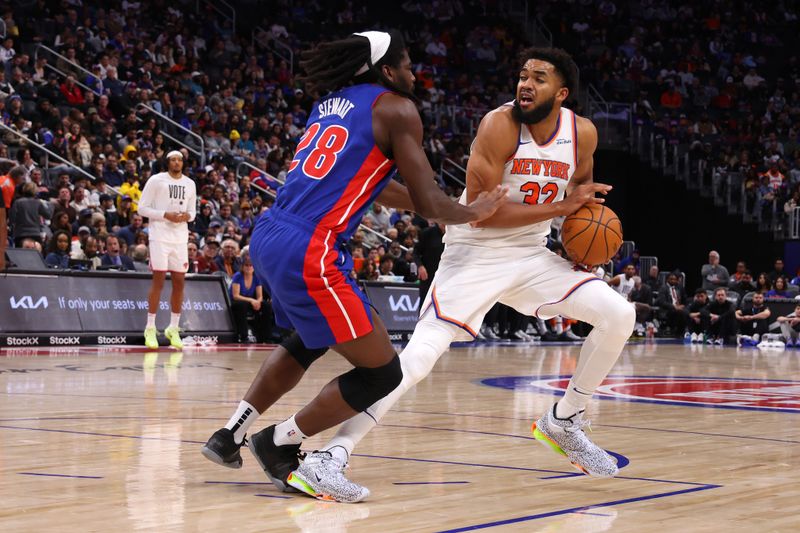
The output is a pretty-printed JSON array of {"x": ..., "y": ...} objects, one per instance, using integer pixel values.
[{"x": 337, "y": 170}]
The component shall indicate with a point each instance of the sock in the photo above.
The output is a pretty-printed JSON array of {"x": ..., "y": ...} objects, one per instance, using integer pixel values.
[
  {"x": 574, "y": 400},
  {"x": 241, "y": 420},
  {"x": 174, "y": 320},
  {"x": 287, "y": 432},
  {"x": 151, "y": 320},
  {"x": 340, "y": 453},
  {"x": 559, "y": 325}
]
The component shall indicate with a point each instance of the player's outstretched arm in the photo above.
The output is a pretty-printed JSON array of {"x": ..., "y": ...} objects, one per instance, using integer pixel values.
[
  {"x": 397, "y": 196},
  {"x": 397, "y": 118},
  {"x": 495, "y": 143}
]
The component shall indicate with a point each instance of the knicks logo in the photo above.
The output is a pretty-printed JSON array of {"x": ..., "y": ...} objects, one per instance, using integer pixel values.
[
  {"x": 722, "y": 393},
  {"x": 540, "y": 167}
]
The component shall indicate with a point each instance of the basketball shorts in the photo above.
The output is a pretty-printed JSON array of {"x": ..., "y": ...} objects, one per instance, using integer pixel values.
[
  {"x": 167, "y": 256},
  {"x": 307, "y": 269},
  {"x": 471, "y": 279}
]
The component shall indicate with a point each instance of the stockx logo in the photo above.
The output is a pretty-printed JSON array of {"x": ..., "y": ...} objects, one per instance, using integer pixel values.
[{"x": 26, "y": 302}]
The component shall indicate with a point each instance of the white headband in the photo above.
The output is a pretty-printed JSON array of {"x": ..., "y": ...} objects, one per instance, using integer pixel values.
[
  {"x": 173, "y": 154},
  {"x": 378, "y": 45}
]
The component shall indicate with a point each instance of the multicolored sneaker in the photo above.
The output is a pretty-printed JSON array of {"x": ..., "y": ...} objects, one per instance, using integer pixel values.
[
  {"x": 322, "y": 476},
  {"x": 173, "y": 335},
  {"x": 151, "y": 338},
  {"x": 222, "y": 449},
  {"x": 566, "y": 437}
]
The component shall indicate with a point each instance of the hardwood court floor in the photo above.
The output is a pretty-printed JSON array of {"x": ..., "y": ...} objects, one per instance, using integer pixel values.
[{"x": 109, "y": 440}]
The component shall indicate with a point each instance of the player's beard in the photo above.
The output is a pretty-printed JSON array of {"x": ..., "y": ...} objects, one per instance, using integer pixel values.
[{"x": 535, "y": 115}]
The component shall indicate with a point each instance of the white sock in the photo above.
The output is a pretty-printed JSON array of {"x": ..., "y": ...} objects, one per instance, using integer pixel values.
[
  {"x": 339, "y": 452},
  {"x": 287, "y": 432},
  {"x": 174, "y": 320},
  {"x": 151, "y": 320},
  {"x": 241, "y": 420}
]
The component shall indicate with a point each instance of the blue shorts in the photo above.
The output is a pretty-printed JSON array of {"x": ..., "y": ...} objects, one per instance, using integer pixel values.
[{"x": 308, "y": 272}]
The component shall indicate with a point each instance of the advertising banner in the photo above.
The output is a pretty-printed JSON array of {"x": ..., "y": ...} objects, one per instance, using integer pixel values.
[{"x": 398, "y": 304}]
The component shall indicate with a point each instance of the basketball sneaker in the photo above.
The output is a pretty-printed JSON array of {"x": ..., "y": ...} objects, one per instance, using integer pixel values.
[
  {"x": 173, "y": 334},
  {"x": 321, "y": 475},
  {"x": 151, "y": 338},
  {"x": 566, "y": 437},
  {"x": 276, "y": 461},
  {"x": 222, "y": 449}
]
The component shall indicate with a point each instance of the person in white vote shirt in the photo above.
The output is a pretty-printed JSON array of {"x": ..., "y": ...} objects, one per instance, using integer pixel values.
[{"x": 169, "y": 200}]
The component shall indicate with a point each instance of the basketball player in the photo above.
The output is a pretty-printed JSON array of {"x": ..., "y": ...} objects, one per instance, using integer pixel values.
[
  {"x": 169, "y": 200},
  {"x": 531, "y": 134},
  {"x": 355, "y": 137}
]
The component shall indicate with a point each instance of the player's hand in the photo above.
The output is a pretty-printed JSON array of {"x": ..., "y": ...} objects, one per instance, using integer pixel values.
[
  {"x": 584, "y": 194},
  {"x": 422, "y": 273},
  {"x": 487, "y": 203}
]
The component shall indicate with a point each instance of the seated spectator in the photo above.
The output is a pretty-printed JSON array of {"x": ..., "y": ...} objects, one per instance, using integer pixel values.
[
  {"x": 651, "y": 279},
  {"x": 796, "y": 279},
  {"x": 113, "y": 255},
  {"x": 722, "y": 328},
  {"x": 192, "y": 250},
  {"x": 779, "y": 289},
  {"x": 777, "y": 271},
  {"x": 386, "y": 266},
  {"x": 741, "y": 268},
  {"x": 225, "y": 215},
  {"x": 670, "y": 301},
  {"x": 88, "y": 252},
  {"x": 203, "y": 218},
  {"x": 763, "y": 284},
  {"x": 248, "y": 302},
  {"x": 58, "y": 250},
  {"x": 790, "y": 326},
  {"x": 699, "y": 318},
  {"x": 744, "y": 285},
  {"x": 642, "y": 299},
  {"x": 62, "y": 203},
  {"x": 246, "y": 218},
  {"x": 141, "y": 256},
  {"x": 632, "y": 259},
  {"x": 713, "y": 274},
  {"x": 128, "y": 233},
  {"x": 206, "y": 263},
  {"x": 131, "y": 189},
  {"x": 229, "y": 261},
  {"x": 124, "y": 211},
  {"x": 753, "y": 319},
  {"x": 624, "y": 283}
]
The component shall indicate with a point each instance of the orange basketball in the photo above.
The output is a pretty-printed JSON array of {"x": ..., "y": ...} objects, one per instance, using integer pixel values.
[{"x": 592, "y": 234}]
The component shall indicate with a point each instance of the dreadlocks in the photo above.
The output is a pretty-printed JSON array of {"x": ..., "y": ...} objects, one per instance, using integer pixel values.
[{"x": 333, "y": 65}]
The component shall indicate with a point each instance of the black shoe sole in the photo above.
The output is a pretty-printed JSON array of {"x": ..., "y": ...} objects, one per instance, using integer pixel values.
[
  {"x": 280, "y": 484},
  {"x": 215, "y": 458}
]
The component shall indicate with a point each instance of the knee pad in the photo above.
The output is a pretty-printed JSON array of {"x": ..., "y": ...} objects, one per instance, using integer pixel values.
[
  {"x": 361, "y": 387},
  {"x": 305, "y": 356}
]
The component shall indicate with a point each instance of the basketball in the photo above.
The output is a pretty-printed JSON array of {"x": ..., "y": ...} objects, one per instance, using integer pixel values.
[{"x": 592, "y": 234}]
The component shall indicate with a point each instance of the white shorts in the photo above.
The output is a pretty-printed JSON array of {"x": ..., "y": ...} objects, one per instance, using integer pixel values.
[
  {"x": 471, "y": 279},
  {"x": 167, "y": 256}
]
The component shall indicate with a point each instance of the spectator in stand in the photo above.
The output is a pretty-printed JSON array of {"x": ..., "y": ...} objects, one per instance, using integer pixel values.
[
  {"x": 229, "y": 261},
  {"x": 796, "y": 279},
  {"x": 723, "y": 321},
  {"x": 699, "y": 318},
  {"x": 380, "y": 217},
  {"x": 777, "y": 271},
  {"x": 114, "y": 256},
  {"x": 124, "y": 211},
  {"x": 744, "y": 285},
  {"x": 62, "y": 203},
  {"x": 246, "y": 218},
  {"x": 763, "y": 284},
  {"x": 113, "y": 175},
  {"x": 88, "y": 252},
  {"x": 27, "y": 214},
  {"x": 206, "y": 263},
  {"x": 60, "y": 221},
  {"x": 128, "y": 233},
  {"x": 632, "y": 259},
  {"x": 58, "y": 250},
  {"x": 80, "y": 200},
  {"x": 651, "y": 279},
  {"x": 225, "y": 215},
  {"x": 248, "y": 301},
  {"x": 741, "y": 268},
  {"x": 713, "y": 274},
  {"x": 203, "y": 218},
  {"x": 779, "y": 290},
  {"x": 670, "y": 301},
  {"x": 790, "y": 326},
  {"x": 753, "y": 319},
  {"x": 131, "y": 189},
  {"x": 671, "y": 98},
  {"x": 108, "y": 210},
  {"x": 642, "y": 299},
  {"x": 141, "y": 256},
  {"x": 71, "y": 92}
]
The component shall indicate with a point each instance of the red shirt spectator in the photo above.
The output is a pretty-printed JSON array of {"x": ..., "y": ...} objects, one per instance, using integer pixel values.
[
  {"x": 671, "y": 99},
  {"x": 72, "y": 92}
]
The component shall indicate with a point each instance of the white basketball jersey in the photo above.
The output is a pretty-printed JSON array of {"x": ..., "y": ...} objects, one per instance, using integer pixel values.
[{"x": 535, "y": 174}]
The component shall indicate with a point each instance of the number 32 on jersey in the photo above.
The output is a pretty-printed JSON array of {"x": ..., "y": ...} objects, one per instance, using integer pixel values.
[
  {"x": 539, "y": 194},
  {"x": 319, "y": 161}
]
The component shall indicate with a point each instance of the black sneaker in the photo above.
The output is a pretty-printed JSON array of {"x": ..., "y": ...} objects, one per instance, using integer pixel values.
[
  {"x": 223, "y": 450},
  {"x": 276, "y": 461}
]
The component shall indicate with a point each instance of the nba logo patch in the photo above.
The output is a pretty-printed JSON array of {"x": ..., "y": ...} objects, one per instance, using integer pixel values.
[
  {"x": 291, "y": 433},
  {"x": 747, "y": 394}
]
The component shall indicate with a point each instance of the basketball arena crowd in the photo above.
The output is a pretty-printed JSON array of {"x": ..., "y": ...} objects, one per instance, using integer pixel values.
[{"x": 93, "y": 95}]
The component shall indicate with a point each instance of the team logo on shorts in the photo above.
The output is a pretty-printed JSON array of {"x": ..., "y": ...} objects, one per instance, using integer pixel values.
[{"x": 723, "y": 393}]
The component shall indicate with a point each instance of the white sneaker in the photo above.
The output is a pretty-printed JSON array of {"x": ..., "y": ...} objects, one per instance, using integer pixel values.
[
  {"x": 489, "y": 333},
  {"x": 521, "y": 335},
  {"x": 322, "y": 476},
  {"x": 695, "y": 337},
  {"x": 569, "y": 335}
]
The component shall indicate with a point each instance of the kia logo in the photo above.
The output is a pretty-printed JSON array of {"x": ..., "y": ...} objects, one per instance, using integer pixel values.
[{"x": 26, "y": 302}]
